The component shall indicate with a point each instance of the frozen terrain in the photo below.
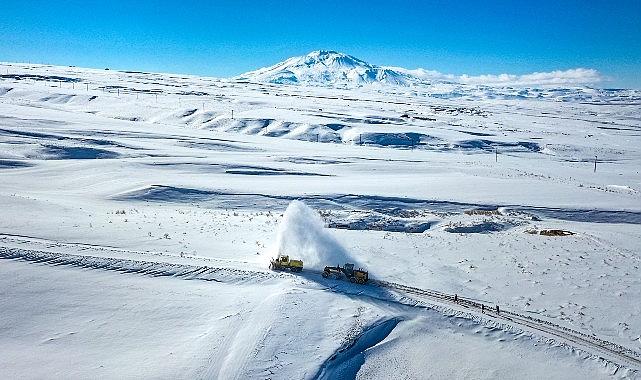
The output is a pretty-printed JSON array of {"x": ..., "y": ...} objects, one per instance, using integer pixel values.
[{"x": 140, "y": 210}]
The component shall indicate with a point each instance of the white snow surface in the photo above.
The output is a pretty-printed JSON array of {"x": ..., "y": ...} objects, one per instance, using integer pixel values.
[{"x": 139, "y": 211}]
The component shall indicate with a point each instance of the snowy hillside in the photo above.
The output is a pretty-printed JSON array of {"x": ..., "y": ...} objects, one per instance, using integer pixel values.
[{"x": 500, "y": 226}]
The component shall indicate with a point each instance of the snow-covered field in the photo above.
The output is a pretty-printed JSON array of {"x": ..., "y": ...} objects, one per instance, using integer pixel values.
[{"x": 140, "y": 210}]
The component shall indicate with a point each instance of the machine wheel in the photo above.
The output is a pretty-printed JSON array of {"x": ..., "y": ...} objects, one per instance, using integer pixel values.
[
  {"x": 352, "y": 279},
  {"x": 325, "y": 274}
]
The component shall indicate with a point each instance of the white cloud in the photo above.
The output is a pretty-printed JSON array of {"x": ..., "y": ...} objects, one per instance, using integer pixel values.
[
  {"x": 578, "y": 76},
  {"x": 425, "y": 74},
  {"x": 552, "y": 78}
]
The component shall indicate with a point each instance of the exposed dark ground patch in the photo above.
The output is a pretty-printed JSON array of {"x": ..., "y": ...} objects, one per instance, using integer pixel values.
[
  {"x": 479, "y": 228},
  {"x": 378, "y": 222}
]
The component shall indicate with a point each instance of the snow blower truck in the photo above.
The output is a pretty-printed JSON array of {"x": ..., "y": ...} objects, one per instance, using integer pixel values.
[
  {"x": 358, "y": 276},
  {"x": 282, "y": 262}
]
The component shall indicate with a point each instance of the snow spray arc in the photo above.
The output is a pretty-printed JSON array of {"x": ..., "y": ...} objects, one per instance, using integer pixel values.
[{"x": 302, "y": 235}]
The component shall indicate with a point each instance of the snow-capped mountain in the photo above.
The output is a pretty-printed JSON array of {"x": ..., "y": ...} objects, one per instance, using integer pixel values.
[
  {"x": 323, "y": 67},
  {"x": 328, "y": 68}
]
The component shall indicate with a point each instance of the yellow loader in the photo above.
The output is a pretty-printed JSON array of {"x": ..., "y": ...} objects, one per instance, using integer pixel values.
[{"x": 282, "y": 262}]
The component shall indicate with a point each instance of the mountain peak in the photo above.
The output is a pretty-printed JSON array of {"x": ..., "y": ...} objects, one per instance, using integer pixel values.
[
  {"x": 318, "y": 53},
  {"x": 327, "y": 68},
  {"x": 330, "y": 58}
]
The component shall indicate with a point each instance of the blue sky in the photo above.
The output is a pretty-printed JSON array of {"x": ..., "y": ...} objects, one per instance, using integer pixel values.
[{"x": 225, "y": 38}]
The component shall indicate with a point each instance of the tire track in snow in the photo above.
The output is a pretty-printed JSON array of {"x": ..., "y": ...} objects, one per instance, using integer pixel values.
[
  {"x": 149, "y": 268},
  {"x": 608, "y": 351},
  {"x": 603, "y": 349}
]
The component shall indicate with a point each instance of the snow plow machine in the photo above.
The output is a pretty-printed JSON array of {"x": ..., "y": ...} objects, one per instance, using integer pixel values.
[
  {"x": 282, "y": 262},
  {"x": 358, "y": 276}
]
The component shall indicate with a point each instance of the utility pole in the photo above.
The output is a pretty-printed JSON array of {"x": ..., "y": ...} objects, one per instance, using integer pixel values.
[
  {"x": 496, "y": 154},
  {"x": 595, "y": 159},
  {"x": 232, "y": 114}
]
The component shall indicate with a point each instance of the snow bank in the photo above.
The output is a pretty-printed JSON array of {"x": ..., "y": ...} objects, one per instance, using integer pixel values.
[{"x": 302, "y": 235}]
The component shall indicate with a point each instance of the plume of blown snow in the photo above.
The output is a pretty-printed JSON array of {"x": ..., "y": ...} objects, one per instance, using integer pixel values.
[{"x": 302, "y": 235}]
